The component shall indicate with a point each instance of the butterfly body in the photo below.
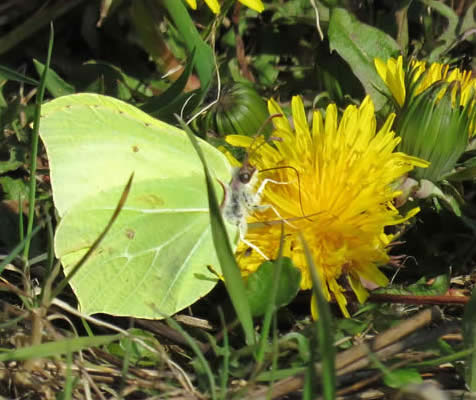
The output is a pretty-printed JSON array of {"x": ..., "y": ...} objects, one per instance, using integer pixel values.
[{"x": 242, "y": 199}]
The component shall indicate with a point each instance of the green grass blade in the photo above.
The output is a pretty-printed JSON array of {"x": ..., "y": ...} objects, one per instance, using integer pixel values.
[
  {"x": 21, "y": 224},
  {"x": 67, "y": 393},
  {"x": 205, "y": 64},
  {"x": 274, "y": 375},
  {"x": 324, "y": 330},
  {"x": 12, "y": 75},
  {"x": 231, "y": 271},
  {"x": 263, "y": 342},
  {"x": 435, "y": 362},
  {"x": 56, "y": 348},
  {"x": 225, "y": 370},
  {"x": 34, "y": 145},
  {"x": 193, "y": 345},
  {"x": 275, "y": 355}
]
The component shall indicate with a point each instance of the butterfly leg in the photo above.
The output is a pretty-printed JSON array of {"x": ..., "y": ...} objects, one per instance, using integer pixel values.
[
  {"x": 255, "y": 248},
  {"x": 243, "y": 228},
  {"x": 261, "y": 188},
  {"x": 264, "y": 207}
]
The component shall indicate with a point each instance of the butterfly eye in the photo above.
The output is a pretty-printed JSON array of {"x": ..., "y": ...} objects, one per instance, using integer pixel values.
[{"x": 245, "y": 177}]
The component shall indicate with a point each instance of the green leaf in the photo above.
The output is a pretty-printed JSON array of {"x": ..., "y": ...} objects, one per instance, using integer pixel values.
[
  {"x": 132, "y": 349},
  {"x": 117, "y": 83},
  {"x": 12, "y": 75},
  {"x": 439, "y": 286},
  {"x": 469, "y": 336},
  {"x": 54, "y": 83},
  {"x": 359, "y": 44},
  {"x": 260, "y": 284},
  {"x": 171, "y": 101},
  {"x": 443, "y": 192},
  {"x": 464, "y": 174},
  {"x": 448, "y": 37},
  {"x": 266, "y": 67},
  {"x": 16, "y": 160},
  {"x": 402, "y": 377},
  {"x": 154, "y": 259},
  {"x": 469, "y": 19},
  {"x": 3, "y": 102},
  {"x": 110, "y": 80},
  {"x": 465, "y": 171},
  {"x": 13, "y": 188}
]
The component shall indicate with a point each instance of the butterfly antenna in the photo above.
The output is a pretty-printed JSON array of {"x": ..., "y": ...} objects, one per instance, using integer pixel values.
[
  {"x": 268, "y": 120},
  {"x": 248, "y": 156},
  {"x": 273, "y": 222},
  {"x": 299, "y": 186},
  {"x": 257, "y": 135}
]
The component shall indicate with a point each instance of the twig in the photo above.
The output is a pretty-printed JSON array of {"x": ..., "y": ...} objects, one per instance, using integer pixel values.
[
  {"x": 240, "y": 46},
  {"x": 388, "y": 337},
  {"x": 383, "y": 345},
  {"x": 371, "y": 379},
  {"x": 415, "y": 299},
  {"x": 179, "y": 373},
  {"x": 161, "y": 329}
]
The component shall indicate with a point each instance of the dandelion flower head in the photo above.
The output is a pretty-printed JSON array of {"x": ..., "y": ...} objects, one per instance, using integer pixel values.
[
  {"x": 341, "y": 202},
  {"x": 398, "y": 80}
]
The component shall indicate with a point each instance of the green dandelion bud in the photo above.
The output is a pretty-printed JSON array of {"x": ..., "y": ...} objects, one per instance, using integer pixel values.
[
  {"x": 239, "y": 110},
  {"x": 435, "y": 126}
]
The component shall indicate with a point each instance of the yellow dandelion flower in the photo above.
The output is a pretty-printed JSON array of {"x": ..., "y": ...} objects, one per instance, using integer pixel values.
[
  {"x": 393, "y": 74},
  {"x": 214, "y": 5},
  {"x": 341, "y": 202}
]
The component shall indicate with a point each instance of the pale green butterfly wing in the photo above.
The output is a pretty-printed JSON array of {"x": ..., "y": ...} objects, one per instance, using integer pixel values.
[
  {"x": 155, "y": 257},
  {"x": 84, "y": 133},
  {"x": 153, "y": 260}
]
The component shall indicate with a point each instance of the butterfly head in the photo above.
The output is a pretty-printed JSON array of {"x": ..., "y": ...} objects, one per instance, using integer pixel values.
[{"x": 246, "y": 172}]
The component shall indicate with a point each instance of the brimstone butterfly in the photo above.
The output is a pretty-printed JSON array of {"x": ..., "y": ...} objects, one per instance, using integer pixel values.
[{"x": 155, "y": 257}]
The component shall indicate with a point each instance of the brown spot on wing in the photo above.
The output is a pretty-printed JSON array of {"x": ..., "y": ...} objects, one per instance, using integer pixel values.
[{"x": 151, "y": 200}]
